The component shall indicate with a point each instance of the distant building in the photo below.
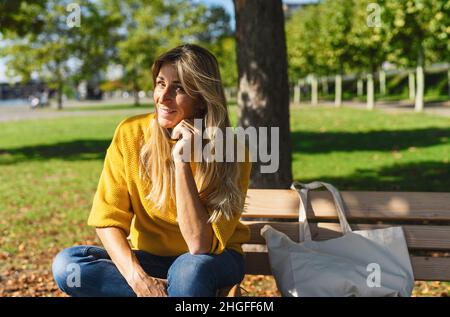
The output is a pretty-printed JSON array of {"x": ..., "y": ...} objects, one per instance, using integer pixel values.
[
  {"x": 21, "y": 91},
  {"x": 290, "y": 7}
]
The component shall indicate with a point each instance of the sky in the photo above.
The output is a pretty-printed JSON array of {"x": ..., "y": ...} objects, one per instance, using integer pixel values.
[{"x": 227, "y": 4}]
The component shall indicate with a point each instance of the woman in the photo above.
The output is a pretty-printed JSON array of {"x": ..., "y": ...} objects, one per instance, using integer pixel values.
[{"x": 182, "y": 217}]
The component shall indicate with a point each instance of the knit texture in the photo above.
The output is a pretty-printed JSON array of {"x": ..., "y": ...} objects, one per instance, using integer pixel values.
[{"x": 120, "y": 199}]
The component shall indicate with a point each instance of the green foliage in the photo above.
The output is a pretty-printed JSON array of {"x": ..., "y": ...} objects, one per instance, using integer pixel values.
[
  {"x": 58, "y": 53},
  {"x": 303, "y": 43},
  {"x": 335, "y": 36},
  {"x": 153, "y": 27},
  {"x": 129, "y": 33},
  {"x": 225, "y": 51},
  {"x": 418, "y": 31},
  {"x": 21, "y": 16},
  {"x": 367, "y": 44}
]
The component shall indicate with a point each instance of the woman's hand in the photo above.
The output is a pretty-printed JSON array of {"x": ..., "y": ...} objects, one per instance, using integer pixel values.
[
  {"x": 146, "y": 286},
  {"x": 185, "y": 132}
]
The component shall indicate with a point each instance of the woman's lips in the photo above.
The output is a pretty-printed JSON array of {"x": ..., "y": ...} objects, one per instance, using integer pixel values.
[{"x": 166, "y": 111}]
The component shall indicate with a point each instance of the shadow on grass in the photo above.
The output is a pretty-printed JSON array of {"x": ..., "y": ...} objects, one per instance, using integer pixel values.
[
  {"x": 77, "y": 150},
  {"x": 420, "y": 176},
  {"x": 327, "y": 142},
  {"x": 425, "y": 176}
]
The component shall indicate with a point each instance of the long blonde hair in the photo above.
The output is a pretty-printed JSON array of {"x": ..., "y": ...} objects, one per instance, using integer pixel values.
[{"x": 219, "y": 191}]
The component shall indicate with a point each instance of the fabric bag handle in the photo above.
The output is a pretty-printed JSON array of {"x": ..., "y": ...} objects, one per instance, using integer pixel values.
[{"x": 302, "y": 189}]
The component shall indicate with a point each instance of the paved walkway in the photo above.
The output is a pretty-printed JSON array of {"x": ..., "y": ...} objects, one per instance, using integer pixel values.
[
  {"x": 436, "y": 108},
  {"x": 72, "y": 108},
  {"x": 93, "y": 108}
]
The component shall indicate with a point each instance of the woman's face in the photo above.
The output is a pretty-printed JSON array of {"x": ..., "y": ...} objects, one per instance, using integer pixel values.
[{"x": 172, "y": 102}]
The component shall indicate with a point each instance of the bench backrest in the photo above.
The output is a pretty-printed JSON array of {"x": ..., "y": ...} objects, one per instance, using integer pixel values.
[{"x": 425, "y": 218}]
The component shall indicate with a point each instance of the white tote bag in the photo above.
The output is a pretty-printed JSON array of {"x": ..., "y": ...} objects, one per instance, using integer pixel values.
[{"x": 359, "y": 263}]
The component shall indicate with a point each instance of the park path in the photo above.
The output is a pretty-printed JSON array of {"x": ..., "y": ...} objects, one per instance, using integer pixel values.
[
  {"x": 72, "y": 109},
  {"x": 75, "y": 108},
  {"x": 436, "y": 108}
]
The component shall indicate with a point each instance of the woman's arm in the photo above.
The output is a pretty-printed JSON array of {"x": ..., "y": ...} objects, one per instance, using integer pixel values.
[
  {"x": 115, "y": 242},
  {"x": 192, "y": 215}
]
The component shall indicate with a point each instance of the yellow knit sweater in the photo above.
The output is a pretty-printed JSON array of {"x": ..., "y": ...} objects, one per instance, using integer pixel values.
[{"x": 120, "y": 200}]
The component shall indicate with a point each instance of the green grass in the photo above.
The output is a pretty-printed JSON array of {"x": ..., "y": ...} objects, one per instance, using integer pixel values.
[
  {"x": 362, "y": 150},
  {"x": 49, "y": 171},
  {"x": 49, "y": 168}
]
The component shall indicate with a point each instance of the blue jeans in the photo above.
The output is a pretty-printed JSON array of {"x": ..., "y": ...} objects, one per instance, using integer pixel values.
[{"x": 89, "y": 271}]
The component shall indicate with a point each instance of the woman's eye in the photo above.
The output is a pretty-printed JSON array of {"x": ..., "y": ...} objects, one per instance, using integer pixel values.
[
  {"x": 160, "y": 83},
  {"x": 180, "y": 89}
]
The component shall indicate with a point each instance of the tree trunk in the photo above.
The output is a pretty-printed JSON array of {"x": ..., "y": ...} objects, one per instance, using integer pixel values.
[
  {"x": 314, "y": 93},
  {"x": 325, "y": 86},
  {"x": 412, "y": 87},
  {"x": 263, "y": 98},
  {"x": 360, "y": 87},
  {"x": 60, "y": 96},
  {"x": 136, "y": 98},
  {"x": 60, "y": 84},
  {"x": 420, "y": 84},
  {"x": 338, "y": 91},
  {"x": 420, "y": 89},
  {"x": 297, "y": 94},
  {"x": 382, "y": 76},
  {"x": 136, "y": 94},
  {"x": 448, "y": 81},
  {"x": 370, "y": 92}
]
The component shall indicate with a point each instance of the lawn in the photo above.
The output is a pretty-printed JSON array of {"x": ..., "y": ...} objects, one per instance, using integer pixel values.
[{"x": 49, "y": 170}]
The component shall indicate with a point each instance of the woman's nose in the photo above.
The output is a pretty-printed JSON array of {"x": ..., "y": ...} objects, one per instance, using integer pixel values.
[{"x": 166, "y": 94}]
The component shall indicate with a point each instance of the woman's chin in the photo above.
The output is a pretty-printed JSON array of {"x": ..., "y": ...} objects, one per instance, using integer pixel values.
[{"x": 168, "y": 124}]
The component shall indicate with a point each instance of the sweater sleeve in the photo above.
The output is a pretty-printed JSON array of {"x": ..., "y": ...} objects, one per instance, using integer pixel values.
[
  {"x": 224, "y": 229},
  {"x": 111, "y": 206}
]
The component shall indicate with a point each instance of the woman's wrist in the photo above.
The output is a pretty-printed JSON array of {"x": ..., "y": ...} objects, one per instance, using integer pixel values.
[
  {"x": 133, "y": 271},
  {"x": 135, "y": 274},
  {"x": 180, "y": 165}
]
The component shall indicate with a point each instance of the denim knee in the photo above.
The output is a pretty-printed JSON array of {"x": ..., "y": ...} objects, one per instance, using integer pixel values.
[
  {"x": 65, "y": 263},
  {"x": 192, "y": 275}
]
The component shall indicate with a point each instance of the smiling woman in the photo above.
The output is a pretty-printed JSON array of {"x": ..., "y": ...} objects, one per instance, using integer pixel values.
[
  {"x": 182, "y": 217},
  {"x": 172, "y": 102}
]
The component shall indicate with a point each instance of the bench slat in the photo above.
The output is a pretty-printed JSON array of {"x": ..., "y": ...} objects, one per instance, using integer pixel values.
[
  {"x": 417, "y": 237},
  {"x": 398, "y": 206},
  {"x": 424, "y": 268}
]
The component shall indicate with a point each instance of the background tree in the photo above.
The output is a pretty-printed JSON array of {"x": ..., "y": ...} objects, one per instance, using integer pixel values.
[
  {"x": 21, "y": 16},
  {"x": 95, "y": 47},
  {"x": 59, "y": 53},
  {"x": 414, "y": 29},
  {"x": 336, "y": 21},
  {"x": 368, "y": 45},
  {"x": 263, "y": 97},
  {"x": 225, "y": 51},
  {"x": 152, "y": 27},
  {"x": 305, "y": 47},
  {"x": 305, "y": 44},
  {"x": 45, "y": 53}
]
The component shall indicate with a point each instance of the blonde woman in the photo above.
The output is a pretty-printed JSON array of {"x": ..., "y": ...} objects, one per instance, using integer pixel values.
[{"x": 182, "y": 216}]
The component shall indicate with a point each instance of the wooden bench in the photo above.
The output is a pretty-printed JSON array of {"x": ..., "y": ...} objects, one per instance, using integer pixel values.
[{"x": 425, "y": 218}]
